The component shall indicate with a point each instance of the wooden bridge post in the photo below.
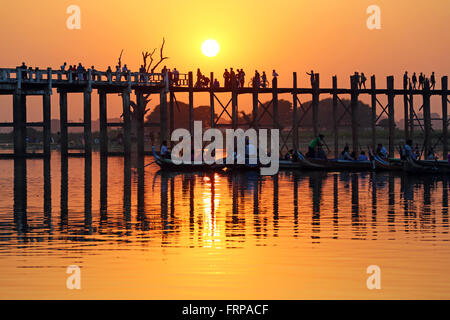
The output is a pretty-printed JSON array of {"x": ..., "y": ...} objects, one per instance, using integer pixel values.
[
  {"x": 20, "y": 124},
  {"x": 335, "y": 118},
  {"x": 211, "y": 99},
  {"x": 171, "y": 116},
  {"x": 64, "y": 135},
  {"x": 411, "y": 112},
  {"x": 294, "y": 112},
  {"x": 163, "y": 115},
  {"x": 354, "y": 109},
  {"x": 87, "y": 123},
  {"x": 126, "y": 122},
  {"x": 255, "y": 103},
  {"x": 373, "y": 95},
  {"x": 46, "y": 117},
  {"x": 140, "y": 123},
  {"x": 234, "y": 107},
  {"x": 315, "y": 104},
  {"x": 191, "y": 103},
  {"x": 406, "y": 110},
  {"x": 426, "y": 116},
  {"x": 275, "y": 103},
  {"x": 103, "y": 123},
  {"x": 444, "y": 81},
  {"x": 391, "y": 115}
]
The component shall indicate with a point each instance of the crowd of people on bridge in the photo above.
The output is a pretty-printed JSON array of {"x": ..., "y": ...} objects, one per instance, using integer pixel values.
[{"x": 420, "y": 82}]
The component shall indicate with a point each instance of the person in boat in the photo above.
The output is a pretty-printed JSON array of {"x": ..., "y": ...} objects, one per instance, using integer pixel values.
[
  {"x": 165, "y": 153},
  {"x": 314, "y": 145},
  {"x": 363, "y": 157},
  {"x": 293, "y": 156},
  {"x": 431, "y": 155},
  {"x": 408, "y": 151},
  {"x": 381, "y": 151},
  {"x": 345, "y": 154},
  {"x": 250, "y": 152},
  {"x": 417, "y": 151}
]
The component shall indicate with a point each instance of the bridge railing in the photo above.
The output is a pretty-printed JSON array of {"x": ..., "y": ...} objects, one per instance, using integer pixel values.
[{"x": 92, "y": 77}]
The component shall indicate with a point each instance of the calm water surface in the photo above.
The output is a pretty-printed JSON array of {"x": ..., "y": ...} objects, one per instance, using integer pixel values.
[{"x": 139, "y": 233}]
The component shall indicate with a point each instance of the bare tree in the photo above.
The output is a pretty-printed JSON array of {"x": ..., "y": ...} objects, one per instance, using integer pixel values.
[{"x": 149, "y": 68}]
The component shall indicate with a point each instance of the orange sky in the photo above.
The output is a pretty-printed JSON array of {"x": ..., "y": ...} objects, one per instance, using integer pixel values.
[{"x": 328, "y": 36}]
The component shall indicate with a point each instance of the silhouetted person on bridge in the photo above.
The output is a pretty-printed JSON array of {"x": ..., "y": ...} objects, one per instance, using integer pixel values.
[
  {"x": 421, "y": 80},
  {"x": 414, "y": 81},
  {"x": 274, "y": 74},
  {"x": 176, "y": 76},
  {"x": 363, "y": 81},
  {"x": 226, "y": 77},
  {"x": 264, "y": 80},
  {"x": 23, "y": 71},
  {"x": 312, "y": 77},
  {"x": 256, "y": 80},
  {"x": 233, "y": 81},
  {"x": 433, "y": 80},
  {"x": 405, "y": 79}
]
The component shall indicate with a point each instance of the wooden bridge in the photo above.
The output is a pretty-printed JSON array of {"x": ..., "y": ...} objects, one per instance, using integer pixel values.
[{"x": 21, "y": 83}]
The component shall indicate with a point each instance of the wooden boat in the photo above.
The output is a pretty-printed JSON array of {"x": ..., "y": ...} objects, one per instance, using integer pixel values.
[
  {"x": 335, "y": 164},
  {"x": 167, "y": 164},
  {"x": 425, "y": 166},
  {"x": 387, "y": 164}
]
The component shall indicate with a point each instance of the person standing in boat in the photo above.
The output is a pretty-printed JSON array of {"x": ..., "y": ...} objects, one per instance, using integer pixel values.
[
  {"x": 165, "y": 153},
  {"x": 314, "y": 145}
]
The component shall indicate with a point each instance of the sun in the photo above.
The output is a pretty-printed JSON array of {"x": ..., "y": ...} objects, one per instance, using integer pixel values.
[{"x": 210, "y": 48}]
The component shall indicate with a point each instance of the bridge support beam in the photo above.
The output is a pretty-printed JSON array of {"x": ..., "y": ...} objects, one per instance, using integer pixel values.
[
  {"x": 391, "y": 116},
  {"x": 191, "y": 103},
  {"x": 126, "y": 122},
  {"x": 275, "y": 103},
  {"x": 46, "y": 117},
  {"x": 211, "y": 100},
  {"x": 255, "y": 103},
  {"x": 20, "y": 123},
  {"x": 87, "y": 123},
  {"x": 163, "y": 115},
  {"x": 234, "y": 106},
  {"x": 140, "y": 114},
  {"x": 64, "y": 135},
  {"x": 335, "y": 118},
  {"x": 406, "y": 110},
  {"x": 444, "y": 82},
  {"x": 373, "y": 96},
  {"x": 295, "y": 113},
  {"x": 103, "y": 123},
  {"x": 411, "y": 113},
  {"x": 354, "y": 109},
  {"x": 315, "y": 104},
  {"x": 426, "y": 117}
]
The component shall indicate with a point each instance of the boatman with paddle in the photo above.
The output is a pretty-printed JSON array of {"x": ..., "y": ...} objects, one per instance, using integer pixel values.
[{"x": 313, "y": 145}]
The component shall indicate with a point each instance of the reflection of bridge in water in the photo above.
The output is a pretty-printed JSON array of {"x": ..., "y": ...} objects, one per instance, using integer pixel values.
[{"x": 244, "y": 204}]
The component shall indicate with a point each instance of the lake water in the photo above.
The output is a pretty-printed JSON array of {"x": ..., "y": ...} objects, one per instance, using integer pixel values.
[{"x": 139, "y": 233}]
